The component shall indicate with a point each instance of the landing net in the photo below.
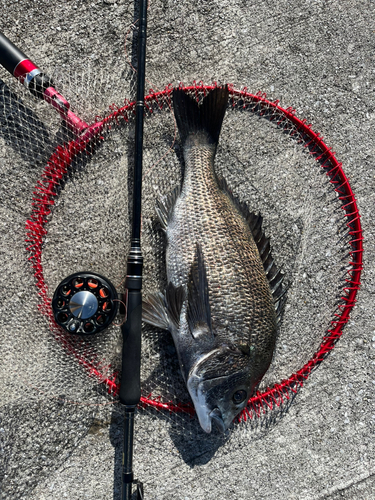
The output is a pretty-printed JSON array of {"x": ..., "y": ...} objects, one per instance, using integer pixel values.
[{"x": 79, "y": 218}]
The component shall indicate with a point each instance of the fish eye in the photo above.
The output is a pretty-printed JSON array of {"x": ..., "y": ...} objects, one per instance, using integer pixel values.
[{"x": 239, "y": 397}]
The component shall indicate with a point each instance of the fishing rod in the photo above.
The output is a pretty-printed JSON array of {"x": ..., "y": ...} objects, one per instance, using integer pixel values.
[
  {"x": 85, "y": 303},
  {"x": 130, "y": 388}
]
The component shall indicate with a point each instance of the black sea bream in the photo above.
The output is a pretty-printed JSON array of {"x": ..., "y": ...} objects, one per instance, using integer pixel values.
[{"x": 219, "y": 304}]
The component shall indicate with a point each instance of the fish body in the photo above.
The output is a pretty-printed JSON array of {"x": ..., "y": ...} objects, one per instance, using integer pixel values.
[{"x": 218, "y": 305}]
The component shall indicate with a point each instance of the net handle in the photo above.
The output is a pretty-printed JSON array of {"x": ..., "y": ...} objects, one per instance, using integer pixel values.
[{"x": 38, "y": 83}]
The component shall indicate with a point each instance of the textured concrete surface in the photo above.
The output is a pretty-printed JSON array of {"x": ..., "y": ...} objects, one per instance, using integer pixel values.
[{"x": 315, "y": 56}]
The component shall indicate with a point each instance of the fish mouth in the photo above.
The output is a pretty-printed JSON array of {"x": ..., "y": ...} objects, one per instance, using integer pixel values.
[
  {"x": 217, "y": 417},
  {"x": 206, "y": 419},
  {"x": 204, "y": 414}
]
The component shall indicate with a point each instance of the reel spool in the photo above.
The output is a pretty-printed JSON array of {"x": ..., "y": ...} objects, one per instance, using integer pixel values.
[{"x": 85, "y": 303}]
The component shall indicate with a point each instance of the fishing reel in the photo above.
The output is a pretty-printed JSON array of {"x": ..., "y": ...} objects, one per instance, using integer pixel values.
[{"x": 85, "y": 303}]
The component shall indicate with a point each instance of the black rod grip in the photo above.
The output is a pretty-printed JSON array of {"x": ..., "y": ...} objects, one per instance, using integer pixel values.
[
  {"x": 130, "y": 386},
  {"x": 10, "y": 55}
]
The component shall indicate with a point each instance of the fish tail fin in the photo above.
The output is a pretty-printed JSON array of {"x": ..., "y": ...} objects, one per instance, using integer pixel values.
[{"x": 207, "y": 117}]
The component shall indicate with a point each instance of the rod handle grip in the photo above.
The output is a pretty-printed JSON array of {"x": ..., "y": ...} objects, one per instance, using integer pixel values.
[{"x": 130, "y": 385}]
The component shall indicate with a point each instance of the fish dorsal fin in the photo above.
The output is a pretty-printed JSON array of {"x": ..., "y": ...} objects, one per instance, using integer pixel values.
[
  {"x": 198, "y": 308},
  {"x": 164, "y": 207},
  {"x": 207, "y": 117},
  {"x": 275, "y": 277},
  {"x": 163, "y": 311}
]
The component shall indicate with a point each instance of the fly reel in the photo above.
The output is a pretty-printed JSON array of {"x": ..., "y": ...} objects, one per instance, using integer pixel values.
[{"x": 85, "y": 303}]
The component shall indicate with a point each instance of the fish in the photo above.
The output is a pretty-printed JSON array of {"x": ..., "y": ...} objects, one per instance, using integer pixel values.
[{"x": 224, "y": 294}]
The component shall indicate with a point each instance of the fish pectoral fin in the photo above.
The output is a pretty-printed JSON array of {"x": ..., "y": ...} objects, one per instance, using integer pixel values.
[
  {"x": 163, "y": 311},
  {"x": 164, "y": 207},
  {"x": 154, "y": 311},
  {"x": 198, "y": 308},
  {"x": 201, "y": 331},
  {"x": 174, "y": 298}
]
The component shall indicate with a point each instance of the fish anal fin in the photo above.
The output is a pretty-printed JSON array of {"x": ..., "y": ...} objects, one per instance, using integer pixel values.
[{"x": 198, "y": 308}]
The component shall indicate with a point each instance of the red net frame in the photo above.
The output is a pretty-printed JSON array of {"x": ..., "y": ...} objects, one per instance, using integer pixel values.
[{"x": 46, "y": 192}]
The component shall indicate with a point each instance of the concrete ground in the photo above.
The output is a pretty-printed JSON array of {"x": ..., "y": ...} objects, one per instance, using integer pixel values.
[{"x": 315, "y": 56}]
